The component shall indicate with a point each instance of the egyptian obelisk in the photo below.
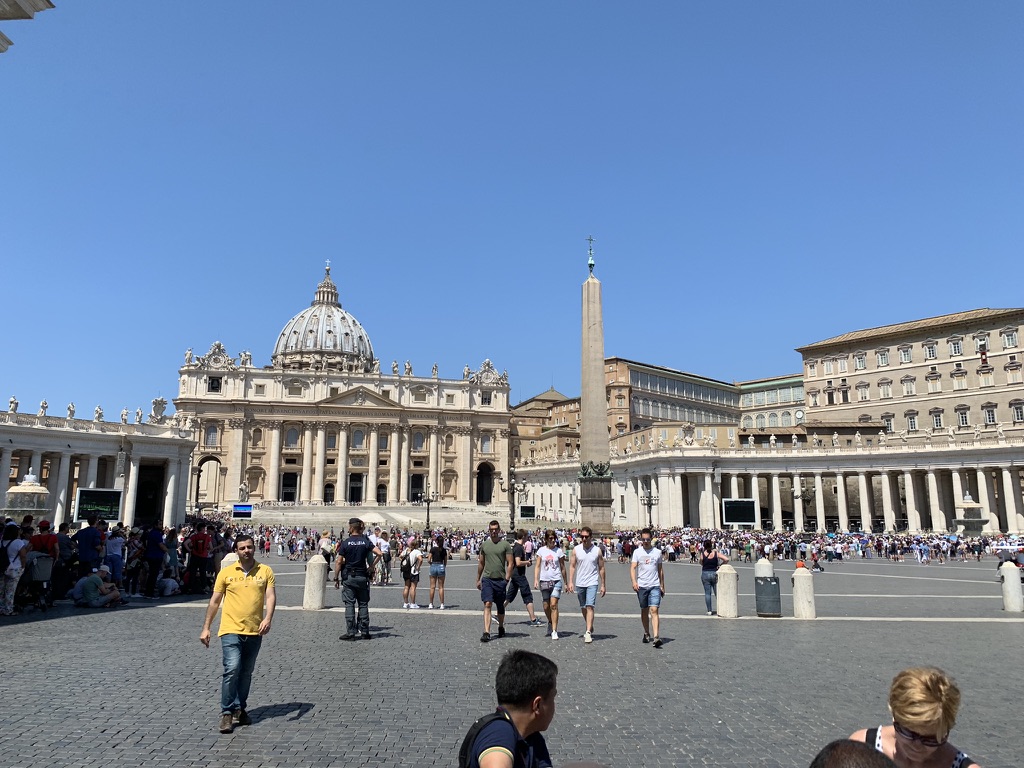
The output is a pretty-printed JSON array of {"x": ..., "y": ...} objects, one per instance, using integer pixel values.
[{"x": 595, "y": 475}]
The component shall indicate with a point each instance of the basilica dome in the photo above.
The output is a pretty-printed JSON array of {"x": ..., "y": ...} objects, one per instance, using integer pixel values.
[{"x": 324, "y": 336}]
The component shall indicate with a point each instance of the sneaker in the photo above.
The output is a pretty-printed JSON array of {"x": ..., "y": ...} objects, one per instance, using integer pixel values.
[
  {"x": 647, "y": 639},
  {"x": 347, "y": 636},
  {"x": 554, "y": 635},
  {"x": 430, "y": 606},
  {"x": 440, "y": 607},
  {"x": 241, "y": 717},
  {"x": 405, "y": 605},
  {"x": 485, "y": 637},
  {"x": 534, "y": 622},
  {"x": 414, "y": 606},
  {"x": 657, "y": 642},
  {"x": 501, "y": 631},
  {"x": 587, "y": 637},
  {"x": 227, "y": 724},
  {"x": 710, "y": 613}
]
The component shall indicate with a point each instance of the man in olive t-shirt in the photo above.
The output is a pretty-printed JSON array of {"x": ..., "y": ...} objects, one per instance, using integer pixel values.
[{"x": 494, "y": 569}]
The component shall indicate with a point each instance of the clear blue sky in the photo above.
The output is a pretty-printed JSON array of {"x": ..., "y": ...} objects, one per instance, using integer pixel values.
[{"x": 757, "y": 176}]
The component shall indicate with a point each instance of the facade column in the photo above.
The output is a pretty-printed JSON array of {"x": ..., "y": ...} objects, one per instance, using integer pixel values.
[
  {"x": 273, "y": 484},
  {"x": 465, "y": 465},
  {"x": 394, "y": 463},
  {"x": 707, "y": 518},
  {"x": 61, "y": 501},
  {"x": 776, "y": 502},
  {"x": 844, "y": 515},
  {"x": 341, "y": 493},
  {"x": 734, "y": 485},
  {"x": 87, "y": 467},
  {"x": 985, "y": 498},
  {"x": 372, "y": 466},
  {"x": 938, "y": 520},
  {"x": 865, "y": 502},
  {"x": 306, "y": 483},
  {"x": 5, "y": 475},
  {"x": 237, "y": 456},
  {"x": 1011, "y": 491},
  {"x": 435, "y": 469},
  {"x": 675, "y": 500},
  {"x": 888, "y": 514},
  {"x": 403, "y": 488},
  {"x": 958, "y": 492},
  {"x": 133, "y": 489},
  {"x": 321, "y": 462},
  {"x": 35, "y": 463},
  {"x": 171, "y": 491},
  {"x": 755, "y": 492},
  {"x": 819, "y": 503},
  {"x": 913, "y": 516},
  {"x": 798, "y": 503}
]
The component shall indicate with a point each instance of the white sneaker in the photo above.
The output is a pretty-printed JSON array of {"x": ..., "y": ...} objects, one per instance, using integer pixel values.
[
  {"x": 440, "y": 607},
  {"x": 405, "y": 605},
  {"x": 554, "y": 635},
  {"x": 413, "y": 605},
  {"x": 587, "y": 637},
  {"x": 430, "y": 606}
]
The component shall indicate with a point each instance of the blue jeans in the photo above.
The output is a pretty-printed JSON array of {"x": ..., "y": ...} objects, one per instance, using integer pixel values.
[
  {"x": 240, "y": 652},
  {"x": 710, "y": 581}
]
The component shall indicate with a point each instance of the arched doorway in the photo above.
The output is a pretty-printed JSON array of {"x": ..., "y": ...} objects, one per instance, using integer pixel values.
[
  {"x": 355, "y": 488},
  {"x": 416, "y": 488},
  {"x": 484, "y": 483},
  {"x": 382, "y": 494},
  {"x": 208, "y": 485},
  {"x": 329, "y": 493}
]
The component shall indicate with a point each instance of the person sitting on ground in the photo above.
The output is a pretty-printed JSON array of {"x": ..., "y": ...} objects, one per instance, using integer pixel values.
[
  {"x": 526, "y": 686},
  {"x": 844, "y": 753},
  {"x": 924, "y": 702},
  {"x": 168, "y": 585},
  {"x": 98, "y": 592}
]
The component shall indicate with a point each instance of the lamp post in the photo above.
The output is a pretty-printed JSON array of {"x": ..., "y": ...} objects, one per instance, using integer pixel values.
[
  {"x": 429, "y": 497},
  {"x": 649, "y": 499},
  {"x": 512, "y": 489}
]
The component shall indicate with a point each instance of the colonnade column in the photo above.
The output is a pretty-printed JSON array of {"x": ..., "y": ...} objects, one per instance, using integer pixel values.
[
  {"x": 321, "y": 462},
  {"x": 87, "y": 466},
  {"x": 734, "y": 485},
  {"x": 61, "y": 500},
  {"x": 888, "y": 514},
  {"x": 435, "y": 470},
  {"x": 171, "y": 493},
  {"x": 865, "y": 502},
  {"x": 372, "y": 466},
  {"x": 273, "y": 484},
  {"x": 393, "y": 480},
  {"x": 986, "y": 499},
  {"x": 1011, "y": 492},
  {"x": 798, "y": 503},
  {"x": 819, "y": 503},
  {"x": 707, "y": 503},
  {"x": 938, "y": 521},
  {"x": 776, "y": 502},
  {"x": 755, "y": 492},
  {"x": 306, "y": 484},
  {"x": 675, "y": 500},
  {"x": 403, "y": 475},
  {"x": 341, "y": 494},
  {"x": 35, "y": 463},
  {"x": 5, "y": 475},
  {"x": 913, "y": 516},
  {"x": 958, "y": 490},
  {"x": 133, "y": 489},
  {"x": 844, "y": 515}
]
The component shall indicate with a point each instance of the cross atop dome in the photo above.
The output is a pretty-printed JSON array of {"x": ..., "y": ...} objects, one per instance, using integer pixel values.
[{"x": 327, "y": 291}]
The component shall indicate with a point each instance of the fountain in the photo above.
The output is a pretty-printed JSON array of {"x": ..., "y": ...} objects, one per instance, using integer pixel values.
[
  {"x": 27, "y": 498},
  {"x": 970, "y": 522}
]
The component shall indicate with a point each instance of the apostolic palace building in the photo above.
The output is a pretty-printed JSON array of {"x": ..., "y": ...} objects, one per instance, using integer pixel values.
[{"x": 912, "y": 426}]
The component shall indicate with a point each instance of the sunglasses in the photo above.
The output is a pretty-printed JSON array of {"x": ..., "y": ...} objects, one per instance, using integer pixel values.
[{"x": 927, "y": 741}]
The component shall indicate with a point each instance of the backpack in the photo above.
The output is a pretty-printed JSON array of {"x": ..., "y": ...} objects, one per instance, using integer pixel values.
[
  {"x": 406, "y": 566},
  {"x": 467, "y": 743}
]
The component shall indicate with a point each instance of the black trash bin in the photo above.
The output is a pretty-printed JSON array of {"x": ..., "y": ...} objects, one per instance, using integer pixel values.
[{"x": 767, "y": 597}]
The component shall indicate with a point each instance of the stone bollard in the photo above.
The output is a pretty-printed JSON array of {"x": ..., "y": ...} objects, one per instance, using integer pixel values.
[
  {"x": 763, "y": 568},
  {"x": 229, "y": 558},
  {"x": 1013, "y": 600},
  {"x": 315, "y": 594},
  {"x": 803, "y": 594},
  {"x": 728, "y": 592},
  {"x": 463, "y": 553},
  {"x": 766, "y": 590}
]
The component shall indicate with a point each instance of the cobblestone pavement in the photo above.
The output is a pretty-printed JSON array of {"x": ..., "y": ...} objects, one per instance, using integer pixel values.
[{"x": 116, "y": 688}]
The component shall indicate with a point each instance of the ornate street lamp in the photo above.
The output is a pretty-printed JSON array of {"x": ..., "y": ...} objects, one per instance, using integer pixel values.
[
  {"x": 649, "y": 499},
  {"x": 512, "y": 489},
  {"x": 428, "y": 497}
]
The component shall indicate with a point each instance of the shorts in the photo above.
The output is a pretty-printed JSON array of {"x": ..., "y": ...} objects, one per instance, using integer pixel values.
[
  {"x": 650, "y": 597},
  {"x": 413, "y": 578},
  {"x": 587, "y": 596},
  {"x": 493, "y": 591},
  {"x": 437, "y": 570},
  {"x": 553, "y": 592}
]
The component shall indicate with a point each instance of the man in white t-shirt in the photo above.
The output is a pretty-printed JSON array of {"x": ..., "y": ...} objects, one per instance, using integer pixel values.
[
  {"x": 586, "y": 578},
  {"x": 648, "y": 576}
]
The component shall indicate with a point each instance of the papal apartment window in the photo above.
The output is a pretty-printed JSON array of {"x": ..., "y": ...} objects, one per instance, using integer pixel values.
[
  {"x": 882, "y": 357},
  {"x": 214, "y": 383},
  {"x": 1013, "y": 376},
  {"x": 990, "y": 415},
  {"x": 934, "y": 385},
  {"x": 485, "y": 398},
  {"x": 963, "y": 418},
  {"x": 931, "y": 352},
  {"x": 956, "y": 347},
  {"x": 980, "y": 341},
  {"x": 937, "y": 421},
  {"x": 842, "y": 364},
  {"x": 959, "y": 382},
  {"x": 909, "y": 387},
  {"x": 906, "y": 355},
  {"x": 986, "y": 379},
  {"x": 814, "y": 399},
  {"x": 1009, "y": 339},
  {"x": 884, "y": 390},
  {"x": 860, "y": 362},
  {"x": 261, "y": 390},
  {"x": 812, "y": 370},
  {"x": 887, "y": 422},
  {"x": 912, "y": 423},
  {"x": 1018, "y": 413},
  {"x": 863, "y": 394},
  {"x": 829, "y": 367}
]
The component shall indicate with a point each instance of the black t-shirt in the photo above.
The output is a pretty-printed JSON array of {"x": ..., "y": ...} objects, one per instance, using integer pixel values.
[
  {"x": 355, "y": 550},
  {"x": 438, "y": 554},
  {"x": 519, "y": 553}
]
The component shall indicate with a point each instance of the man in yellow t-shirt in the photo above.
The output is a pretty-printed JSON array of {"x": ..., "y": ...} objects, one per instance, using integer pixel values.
[{"x": 242, "y": 587}]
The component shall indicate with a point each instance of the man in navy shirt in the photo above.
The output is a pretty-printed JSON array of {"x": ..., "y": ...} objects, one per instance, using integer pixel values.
[
  {"x": 526, "y": 685},
  {"x": 356, "y": 557},
  {"x": 90, "y": 545}
]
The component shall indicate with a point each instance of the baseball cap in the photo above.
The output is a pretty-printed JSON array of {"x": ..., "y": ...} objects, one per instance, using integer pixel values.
[
  {"x": 44, "y": 525},
  {"x": 104, "y": 569}
]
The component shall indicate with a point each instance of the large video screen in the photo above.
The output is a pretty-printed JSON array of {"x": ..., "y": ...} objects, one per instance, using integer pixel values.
[{"x": 739, "y": 512}]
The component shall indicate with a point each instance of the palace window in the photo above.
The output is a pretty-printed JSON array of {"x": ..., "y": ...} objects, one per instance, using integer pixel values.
[
  {"x": 885, "y": 389},
  {"x": 417, "y": 441},
  {"x": 291, "y": 438},
  {"x": 1017, "y": 409},
  {"x": 358, "y": 438},
  {"x": 909, "y": 386},
  {"x": 931, "y": 350},
  {"x": 963, "y": 417},
  {"x": 332, "y": 441},
  {"x": 829, "y": 367},
  {"x": 988, "y": 410},
  {"x": 485, "y": 443},
  {"x": 773, "y": 419},
  {"x": 882, "y": 357},
  {"x": 959, "y": 379},
  {"x": 887, "y": 422},
  {"x": 1009, "y": 339},
  {"x": 863, "y": 392},
  {"x": 912, "y": 423},
  {"x": 841, "y": 363},
  {"x": 956, "y": 347},
  {"x": 1013, "y": 376},
  {"x": 485, "y": 398},
  {"x": 787, "y": 419},
  {"x": 760, "y": 421},
  {"x": 906, "y": 355},
  {"x": 261, "y": 390},
  {"x": 937, "y": 421},
  {"x": 860, "y": 361},
  {"x": 210, "y": 437},
  {"x": 748, "y": 422},
  {"x": 812, "y": 370},
  {"x": 985, "y": 377}
]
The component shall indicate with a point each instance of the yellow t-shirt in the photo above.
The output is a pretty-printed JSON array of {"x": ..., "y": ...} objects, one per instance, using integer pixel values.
[{"x": 244, "y": 596}]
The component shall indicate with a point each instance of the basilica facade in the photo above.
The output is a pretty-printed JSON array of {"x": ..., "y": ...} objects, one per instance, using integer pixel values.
[{"x": 323, "y": 424}]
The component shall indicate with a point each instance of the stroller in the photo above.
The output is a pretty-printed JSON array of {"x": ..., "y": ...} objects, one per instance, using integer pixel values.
[{"x": 35, "y": 584}]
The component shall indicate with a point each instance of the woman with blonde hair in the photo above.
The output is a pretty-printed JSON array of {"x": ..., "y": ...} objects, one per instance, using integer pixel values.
[{"x": 924, "y": 702}]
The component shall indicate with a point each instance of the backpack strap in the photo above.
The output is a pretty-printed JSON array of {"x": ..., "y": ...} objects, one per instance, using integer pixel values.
[{"x": 474, "y": 730}]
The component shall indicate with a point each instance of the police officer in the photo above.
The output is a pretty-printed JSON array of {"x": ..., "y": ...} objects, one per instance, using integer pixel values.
[{"x": 356, "y": 558}]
